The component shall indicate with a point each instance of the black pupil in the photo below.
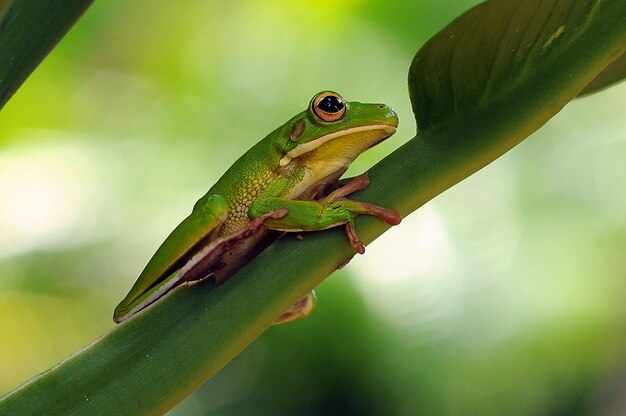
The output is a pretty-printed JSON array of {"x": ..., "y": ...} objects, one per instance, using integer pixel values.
[{"x": 330, "y": 104}]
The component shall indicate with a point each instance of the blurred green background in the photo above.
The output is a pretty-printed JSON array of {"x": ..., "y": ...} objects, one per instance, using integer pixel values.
[{"x": 505, "y": 295}]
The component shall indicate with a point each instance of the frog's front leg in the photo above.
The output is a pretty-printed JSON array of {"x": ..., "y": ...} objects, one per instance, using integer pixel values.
[
  {"x": 332, "y": 211},
  {"x": 345, "y": 187}
]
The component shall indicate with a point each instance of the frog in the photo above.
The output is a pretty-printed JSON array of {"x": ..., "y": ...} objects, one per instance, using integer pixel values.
[{"x": 289, "y": 182}]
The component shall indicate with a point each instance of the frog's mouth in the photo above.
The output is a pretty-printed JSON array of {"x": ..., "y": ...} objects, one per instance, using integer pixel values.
[{"x": 363, "y": 136}]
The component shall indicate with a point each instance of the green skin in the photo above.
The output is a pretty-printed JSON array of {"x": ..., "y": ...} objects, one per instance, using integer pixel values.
[{"x": 289, "y": 181}]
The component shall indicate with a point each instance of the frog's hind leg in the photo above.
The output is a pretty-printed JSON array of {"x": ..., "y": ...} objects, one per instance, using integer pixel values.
[
  {"x": 199, "y": 265},
  {"x": 302, "y": 308}
]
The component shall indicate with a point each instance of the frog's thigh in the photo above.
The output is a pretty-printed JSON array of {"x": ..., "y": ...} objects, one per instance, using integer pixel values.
[{"x": 303, "y": 308}]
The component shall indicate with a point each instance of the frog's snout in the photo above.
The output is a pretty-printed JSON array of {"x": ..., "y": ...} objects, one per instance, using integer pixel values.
[{"x": 391, "y": 117}]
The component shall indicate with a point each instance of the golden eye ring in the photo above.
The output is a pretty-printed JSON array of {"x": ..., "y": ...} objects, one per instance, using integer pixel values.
[{"x": 328, "y": 106}]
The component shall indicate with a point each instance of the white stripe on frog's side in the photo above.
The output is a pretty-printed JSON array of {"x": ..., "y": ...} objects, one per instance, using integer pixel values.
[
  {"x": 178, "y": 277},
  {"x": 167, "y": 285}
]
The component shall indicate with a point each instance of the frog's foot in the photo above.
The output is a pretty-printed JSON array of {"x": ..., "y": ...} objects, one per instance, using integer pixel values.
[
  {"x": 390, "y": 216},
  {"x": 209, "y": 256},
  {"x": 303, "y": 308},
  {"x": 354, "y": 238}
]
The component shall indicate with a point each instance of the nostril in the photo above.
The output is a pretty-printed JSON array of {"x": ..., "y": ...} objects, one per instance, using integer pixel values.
[{"x": 381, "y": 105}]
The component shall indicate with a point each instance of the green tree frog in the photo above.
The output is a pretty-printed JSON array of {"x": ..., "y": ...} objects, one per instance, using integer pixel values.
[{"x": 287, "y": 182}]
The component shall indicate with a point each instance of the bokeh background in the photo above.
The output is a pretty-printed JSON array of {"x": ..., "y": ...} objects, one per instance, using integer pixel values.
[{"x": 504, "y": 295}]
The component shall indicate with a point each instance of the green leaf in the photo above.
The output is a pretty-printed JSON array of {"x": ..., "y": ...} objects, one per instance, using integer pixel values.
[
  {"x": 498, "y": 73},
  {"x": 30, "y": 29},
  {"x": 473, "y": 98},
  {"x": 501, "y": 51},
  {"x": 612, "y": 74}
]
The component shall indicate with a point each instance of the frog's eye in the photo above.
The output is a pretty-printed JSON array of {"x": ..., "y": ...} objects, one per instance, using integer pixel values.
[{"x": 328, "y": 106}]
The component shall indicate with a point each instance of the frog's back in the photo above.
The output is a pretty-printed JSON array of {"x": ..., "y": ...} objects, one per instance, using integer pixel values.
[{"x": 244, "y": 180}]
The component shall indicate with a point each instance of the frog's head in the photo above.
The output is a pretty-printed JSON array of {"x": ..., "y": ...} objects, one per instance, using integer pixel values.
[{"x": 332, "y": 129}]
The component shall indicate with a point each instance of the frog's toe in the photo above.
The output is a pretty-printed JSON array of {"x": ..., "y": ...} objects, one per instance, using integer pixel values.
[{"x": 354, "y": 239}]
